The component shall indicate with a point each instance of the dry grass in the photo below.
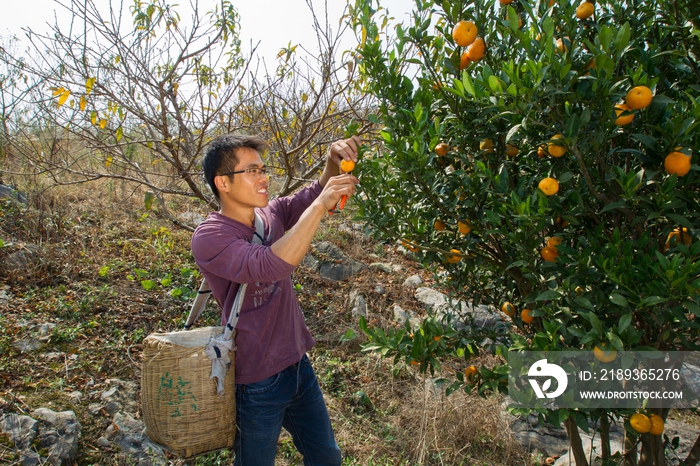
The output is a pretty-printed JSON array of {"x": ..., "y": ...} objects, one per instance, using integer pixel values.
[{"x": 382, "y": 415}]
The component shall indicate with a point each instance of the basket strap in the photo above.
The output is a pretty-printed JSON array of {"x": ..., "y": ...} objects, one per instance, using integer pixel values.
[{"x": 204, "y": 291}]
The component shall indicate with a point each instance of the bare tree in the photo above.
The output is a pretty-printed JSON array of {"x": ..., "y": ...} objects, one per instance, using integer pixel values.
[
  {"x": 140, "y": 89},
  {"x": 135, "y": 93}
]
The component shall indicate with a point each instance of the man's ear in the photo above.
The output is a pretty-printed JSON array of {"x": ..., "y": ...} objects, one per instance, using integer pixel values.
[{"x": 222, "y": 183}]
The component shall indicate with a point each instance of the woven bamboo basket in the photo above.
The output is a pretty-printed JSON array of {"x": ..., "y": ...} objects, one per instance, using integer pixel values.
[{"x": 181, "y": 407}]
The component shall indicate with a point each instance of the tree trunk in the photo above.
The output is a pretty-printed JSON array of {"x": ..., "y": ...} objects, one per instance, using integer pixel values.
[
  {"x": 575, "y": 441},
  {"x": 694, "y": 455},
  {"x": 605, "y": 435}
]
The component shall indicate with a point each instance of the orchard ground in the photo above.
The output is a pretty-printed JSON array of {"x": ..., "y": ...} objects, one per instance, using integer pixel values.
[{"x": 99, "y": 251}]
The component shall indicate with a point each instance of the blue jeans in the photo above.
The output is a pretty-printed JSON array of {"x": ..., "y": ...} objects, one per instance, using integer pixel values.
[{"x": 291, "y": 399}]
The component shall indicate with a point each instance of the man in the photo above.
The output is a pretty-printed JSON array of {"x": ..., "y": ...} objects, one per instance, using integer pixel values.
[{"x": 275, "y": 384}]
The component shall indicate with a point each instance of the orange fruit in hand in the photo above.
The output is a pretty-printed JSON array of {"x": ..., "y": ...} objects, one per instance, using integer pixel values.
[
  {"x": 442, "y": 148},
  {"x": 455, "y": 257},
  {"x": 525, "y": 315},
  {"x": 585, "y": 10},
  {"x": 464, "y": 60},
  {"x": 677, "y": 163},
  {"x": 486, "y": 145},
  {"x": 549, "y": 254},
  {"x": 471, "y": 373},
  {"x": 477, "y": 49},
  {"x": 464, "y": 227},
  {"x": 638, "y": 97},
  {"x": 464, "y": 33},
  {"x": 549, "y": 186},
  {"x": 508, "y": 309},
  {"x": 346, "y": 166},
  {"x": 554, "y": 149},
  {"x": 657, "y": 424},
  {"x": 624, "y": 119},
  {"x": 640, "y": 422},
  {"x": 604, "y": 354}
]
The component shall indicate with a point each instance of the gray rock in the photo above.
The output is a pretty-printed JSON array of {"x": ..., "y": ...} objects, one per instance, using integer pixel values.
[
  {"x": 413, "y": 281},
  {"x": 386, "y": 268},
  {"x": 401, "y": 316},
  {"x": 59, "y": 433},
  {"x": 22, "y": 430},
  {"x": 358, "y": 305},
  {"x": 457, "y": 312},
  {"x": 333, "y": 265},
  {"x": 8, "y": 192},
  {"x": 128, "y": 435}
]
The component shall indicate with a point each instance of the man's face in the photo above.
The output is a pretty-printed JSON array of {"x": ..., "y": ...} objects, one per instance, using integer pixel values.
[{"x": 247, "y": 189}]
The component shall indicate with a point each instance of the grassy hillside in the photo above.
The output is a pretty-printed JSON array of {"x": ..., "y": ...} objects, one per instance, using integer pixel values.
[{"x": 107, "y": 273}]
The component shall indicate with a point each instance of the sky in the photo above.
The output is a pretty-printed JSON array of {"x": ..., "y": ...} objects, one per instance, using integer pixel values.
[{"x": 271, "y": 24}]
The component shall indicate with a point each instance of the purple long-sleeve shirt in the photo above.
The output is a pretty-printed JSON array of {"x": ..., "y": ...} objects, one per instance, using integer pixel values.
[{"x": 271, "y": 333}]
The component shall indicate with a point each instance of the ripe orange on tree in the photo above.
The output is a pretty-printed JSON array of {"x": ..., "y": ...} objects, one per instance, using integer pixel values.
[
  {"x": 527, "y": 318},
  {"x": 677, "y": 163},
  {"x": 622, "y": 120},
  {"x": 464, "y": 60},
  {"x": 477, "y": 49},
  {"x": 505, "y": 2},
  {"x": 439, "y": 225},
  {"x": 471, "y": 373},
  {"x": 511, "y": 150},
  {"x": 640, "y": 422},
  {"x": 541, "y": 152},
  {"x": 554, "y": 241},
  {"x": 486, "y": 145},
  {"x": 603, "y": 353},
  {"x": 549, "y": 254},
  {"x": 657, "y": 424},
  {"x": 442, "y": 148},
  {"x": 549, "y": 186},
  {"x": 508, "y": 309},
  {"x": 464, "y": 33},
  {"x": 464, "y": 227},
  {"x": 679, "y": 235},
  {"x": 585, "y": 10},
  {"x": 553, "y": 148},
  {"x": 638, "y": 97},
  {"x": 455, "y": 257},
  {"x": 561, "y": 45}
]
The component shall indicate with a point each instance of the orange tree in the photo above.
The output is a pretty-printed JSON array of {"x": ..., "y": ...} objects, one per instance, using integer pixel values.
[{"x": 534, "y": 167}]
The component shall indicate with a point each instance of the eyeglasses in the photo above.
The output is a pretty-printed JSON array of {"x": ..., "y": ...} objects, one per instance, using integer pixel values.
[{"x": 251, "y": 171}]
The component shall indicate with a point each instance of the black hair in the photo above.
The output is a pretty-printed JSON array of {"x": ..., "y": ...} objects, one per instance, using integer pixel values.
[{"x": 221, "y": 156}]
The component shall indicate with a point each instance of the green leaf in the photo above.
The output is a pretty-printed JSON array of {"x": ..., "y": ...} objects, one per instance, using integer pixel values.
[
  {"x": 584, "y": 303},
  {"x": 653, "y": 301},
  {"x": 624, "y": 323},
  {"x": 548, "y": 296},
  {"x": 618, "y": 300},
  {"x": 511, "y": 132},
  {"x": 148, "y": 285}
]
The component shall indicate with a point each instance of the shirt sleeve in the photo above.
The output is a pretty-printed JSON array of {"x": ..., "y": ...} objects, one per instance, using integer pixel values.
[
  {"x": 290, "y": 208},
  {"x": 220, "y": 251}
]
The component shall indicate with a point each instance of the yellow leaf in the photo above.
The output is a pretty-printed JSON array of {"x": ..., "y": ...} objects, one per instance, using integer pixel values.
[
  {"x": 304, "y": 97},
  {"x": 64, "y": 97},
  {"x": 108, "y": 160},
  {"x": 93, "y": 118},
  {"x": 103, "y": 123},
  {"x": 88, "y": 85},
  {"x": 83, "y": 103},
  {"x": 58, "y": 91}
]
